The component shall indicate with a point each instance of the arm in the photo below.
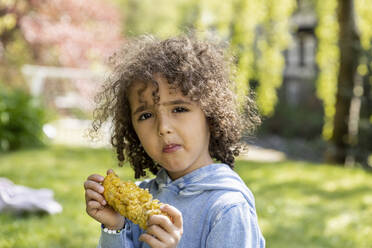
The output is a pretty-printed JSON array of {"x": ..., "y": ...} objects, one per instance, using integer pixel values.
[
  {"x": 98, "y": 209},
  {"x": 111, "y": 240},
  {"x": 123, "y": 239},
  {"x": 161, "y": 232},
  {"x": 96, "y": 205},
  {"x": 236, "y": 226}
]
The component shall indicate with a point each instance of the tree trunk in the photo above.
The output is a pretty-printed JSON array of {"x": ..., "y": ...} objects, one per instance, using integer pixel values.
[
  {"x": 349, "y": 50},
  {"x": 365, "y": 131}
]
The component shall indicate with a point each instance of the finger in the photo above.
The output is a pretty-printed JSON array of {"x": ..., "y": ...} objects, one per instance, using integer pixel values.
[
  {"x": 96, "y": 178},
  {"x": 92, "y": 205},
  {"x": 174, "y": 213},
  {"x": 162, "y": 221},
  {"x": 94, "y": 186},
  {"x": 93, "y": 195},
  {"x": 158, "y": 232},
  {"x": 109, "y": 171},
  {"x": 150, "y": 240}
]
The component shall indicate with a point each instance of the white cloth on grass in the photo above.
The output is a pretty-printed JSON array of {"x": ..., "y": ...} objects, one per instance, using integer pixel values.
[{"x": 18, "y": 198}]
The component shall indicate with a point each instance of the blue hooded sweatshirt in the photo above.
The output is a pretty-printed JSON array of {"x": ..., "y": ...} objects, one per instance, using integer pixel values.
[{"x": 217, "y": 209}]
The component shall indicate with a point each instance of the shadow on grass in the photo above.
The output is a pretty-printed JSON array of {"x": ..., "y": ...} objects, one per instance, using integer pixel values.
[{"x": 24, "y": 214}]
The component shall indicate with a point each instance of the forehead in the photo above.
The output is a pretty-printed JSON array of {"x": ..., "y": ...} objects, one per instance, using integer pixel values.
[{"x": 141, "y": 92}]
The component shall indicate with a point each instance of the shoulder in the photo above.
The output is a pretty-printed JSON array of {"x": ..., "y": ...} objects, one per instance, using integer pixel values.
[
  {"x": 234, "y": 214},
  {"x": 224, "y": 202},
  {"x": 224, "y": 198},
  {"x": 237, "y": 224}
]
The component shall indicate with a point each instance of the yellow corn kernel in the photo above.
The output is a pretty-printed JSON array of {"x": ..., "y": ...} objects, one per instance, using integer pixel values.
[{"x": 129, "y": 200}]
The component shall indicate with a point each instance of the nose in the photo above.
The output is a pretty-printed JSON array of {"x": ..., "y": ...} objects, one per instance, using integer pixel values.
[{"x": 164, "y": 124}]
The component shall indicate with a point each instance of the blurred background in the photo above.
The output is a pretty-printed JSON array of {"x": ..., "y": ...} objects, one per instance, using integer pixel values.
[{"x": 309, "y": 63}]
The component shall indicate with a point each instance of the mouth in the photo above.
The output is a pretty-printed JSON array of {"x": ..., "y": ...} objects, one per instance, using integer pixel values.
[{"x": 171, "y": 148}]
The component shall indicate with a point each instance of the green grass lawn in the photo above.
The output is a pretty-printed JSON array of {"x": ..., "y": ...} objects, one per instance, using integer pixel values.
[{"x": 298, "y": 204}]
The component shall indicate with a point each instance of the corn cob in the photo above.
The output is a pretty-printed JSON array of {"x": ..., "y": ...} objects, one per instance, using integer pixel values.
[{"x": 129, "y": 200}]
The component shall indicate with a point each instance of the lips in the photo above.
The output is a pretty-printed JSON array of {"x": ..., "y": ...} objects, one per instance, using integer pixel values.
[{"x": 171, "y": 148}]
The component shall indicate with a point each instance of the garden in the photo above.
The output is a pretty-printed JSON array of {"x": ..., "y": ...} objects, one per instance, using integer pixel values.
[{"x": 309, "y": 163}]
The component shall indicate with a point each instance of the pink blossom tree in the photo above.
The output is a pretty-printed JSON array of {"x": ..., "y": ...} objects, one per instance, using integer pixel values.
[{"x": 72, "y": 32}]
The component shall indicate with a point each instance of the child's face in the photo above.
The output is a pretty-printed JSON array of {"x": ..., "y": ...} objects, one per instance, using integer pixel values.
[{"x": 174, "y": 132}]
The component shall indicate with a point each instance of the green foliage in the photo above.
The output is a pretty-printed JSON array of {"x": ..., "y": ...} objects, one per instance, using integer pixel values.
[
  {"x": 21, "y": 120},
  {"x": 298, "y": 204},
  {"x": 364, "y": 19},
  {"x": 327, "y": 58},
  {"x": 246, "y": 17},
  {"x": 328, "y": 54},
  {"x": 266, "y": 22},
  {"x": 161, "y": 18},
  {"x": 18, "y": 52},
  {"x": 7, "y": 22},
  {"x": 274, "y": 41}
]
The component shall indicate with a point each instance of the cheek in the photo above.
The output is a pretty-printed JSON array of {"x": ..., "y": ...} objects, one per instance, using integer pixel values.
[
  {"x": 146, "y": 138},
  {"x": 203, "y": 127},
  {"x": 140, "y": 134}
]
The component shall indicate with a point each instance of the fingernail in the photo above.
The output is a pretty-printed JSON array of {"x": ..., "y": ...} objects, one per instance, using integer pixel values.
[
  {"x": 101, "y": 189},
  {"x": 103, "y": 202}
]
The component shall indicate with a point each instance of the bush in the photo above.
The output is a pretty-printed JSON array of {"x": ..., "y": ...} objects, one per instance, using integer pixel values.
[{"x": 21, "y": 120}]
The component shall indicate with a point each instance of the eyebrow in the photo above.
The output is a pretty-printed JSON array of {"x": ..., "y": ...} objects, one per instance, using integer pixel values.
[{"x": 174, "y": 102}]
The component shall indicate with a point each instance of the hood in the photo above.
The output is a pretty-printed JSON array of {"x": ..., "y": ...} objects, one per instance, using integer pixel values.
[{"x": 207, "y": 178}]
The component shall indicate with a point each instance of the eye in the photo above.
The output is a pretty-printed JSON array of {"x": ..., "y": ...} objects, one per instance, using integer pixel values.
[
  {"x": 180, "y": 110},
  {"x": 144, "y": 116}
]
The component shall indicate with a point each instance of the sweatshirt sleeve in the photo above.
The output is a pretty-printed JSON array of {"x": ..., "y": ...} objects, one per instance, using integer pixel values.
[
  {"x": 127, "y": 238},
  {"x": 236, "y": 226},
  {"x": 112, "y": 240}
]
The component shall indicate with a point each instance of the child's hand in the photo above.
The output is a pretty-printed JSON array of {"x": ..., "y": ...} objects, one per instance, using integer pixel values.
[
  {"x": 97, "y": 207},
  {"x": 161, "y": 232}
]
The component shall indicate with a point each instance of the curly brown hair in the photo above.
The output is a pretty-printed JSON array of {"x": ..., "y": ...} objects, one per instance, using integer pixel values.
[{"x": 202, "y": 70}]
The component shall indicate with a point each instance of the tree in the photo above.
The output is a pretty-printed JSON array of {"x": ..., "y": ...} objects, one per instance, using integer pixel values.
[
  {"x": 14, "y": 50},
  {"x": 349, "y": 45},
  {"x": 259, "y": 33},
  {"x": 68, "y": 33},
  {"x": 342, "y": 25}
]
